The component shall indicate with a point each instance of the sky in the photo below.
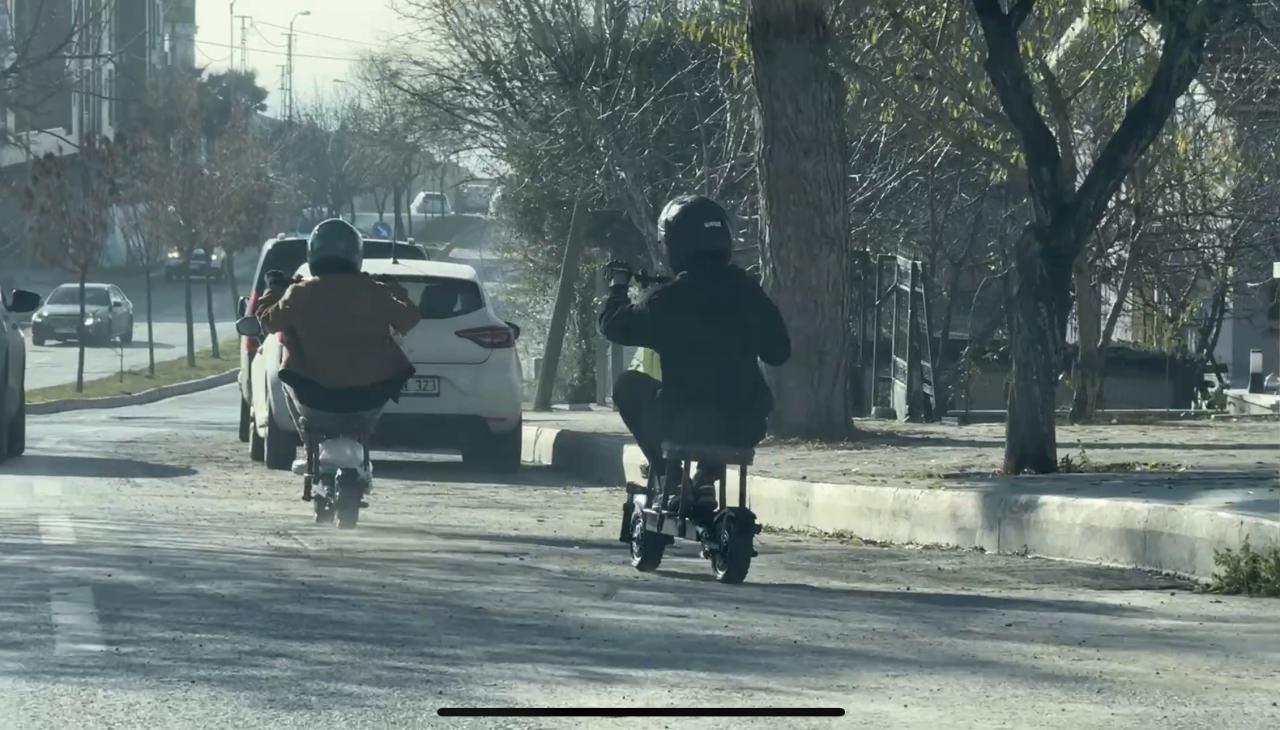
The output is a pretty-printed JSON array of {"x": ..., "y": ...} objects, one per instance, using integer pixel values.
[{"x": 352, "y": 27}]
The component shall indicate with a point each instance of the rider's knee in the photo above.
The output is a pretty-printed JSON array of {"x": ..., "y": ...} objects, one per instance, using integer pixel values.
[{"x": 631, "y": 386}]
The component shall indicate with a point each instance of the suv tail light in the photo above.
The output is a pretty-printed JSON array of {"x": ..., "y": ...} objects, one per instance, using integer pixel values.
[{"x": 492, "y": 338}]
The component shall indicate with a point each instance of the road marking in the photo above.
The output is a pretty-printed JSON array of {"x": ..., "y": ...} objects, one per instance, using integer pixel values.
[
  {"x": 56, "y": 530},
  {"x": 301, "y": 543},
  {"x": 48, "y": 489},
  {"x": 75, "y": 621}
]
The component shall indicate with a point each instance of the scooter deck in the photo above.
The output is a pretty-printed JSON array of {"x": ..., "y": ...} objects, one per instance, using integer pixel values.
[{"x": 671, "y": 524}]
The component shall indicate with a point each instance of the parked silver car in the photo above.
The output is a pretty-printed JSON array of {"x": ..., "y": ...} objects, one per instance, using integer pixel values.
[{"x": 13, "y": 362}]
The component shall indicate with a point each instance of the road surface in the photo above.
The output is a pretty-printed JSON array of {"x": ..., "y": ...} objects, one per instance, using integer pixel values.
[
  {"x": 55, "y": 362},
  {"x": 153, "y": 579}
]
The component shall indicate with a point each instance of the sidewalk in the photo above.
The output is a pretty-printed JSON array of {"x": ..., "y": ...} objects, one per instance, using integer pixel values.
[{"x": 1203, "y": 485}]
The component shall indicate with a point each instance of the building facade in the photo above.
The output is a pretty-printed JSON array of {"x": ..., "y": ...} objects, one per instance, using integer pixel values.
[{"x": 84, "y": 68}]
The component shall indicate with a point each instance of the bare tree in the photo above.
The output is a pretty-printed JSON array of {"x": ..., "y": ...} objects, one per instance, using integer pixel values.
[{"x": 70, "y": 200}]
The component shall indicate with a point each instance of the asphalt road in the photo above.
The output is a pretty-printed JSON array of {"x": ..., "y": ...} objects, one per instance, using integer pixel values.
[
  {"x": 55, "y": 362},
  {"x": 153, "y": 579}
]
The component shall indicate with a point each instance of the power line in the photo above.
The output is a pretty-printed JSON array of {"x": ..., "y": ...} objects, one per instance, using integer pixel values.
[
  {"x": 322, "y": 35},
  {"x": 284, "y": 53},
  {"x": 264, "y": 37},
  {"x": 211, "y": 59}
]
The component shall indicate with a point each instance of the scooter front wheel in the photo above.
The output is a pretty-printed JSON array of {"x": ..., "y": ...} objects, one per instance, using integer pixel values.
[{"x": 324, "y": 510}]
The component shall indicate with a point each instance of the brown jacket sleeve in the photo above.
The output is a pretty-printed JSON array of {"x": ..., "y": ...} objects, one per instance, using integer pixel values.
[
  {"x": 275, "y": 311},
  {"x": 401, "y": 312}
]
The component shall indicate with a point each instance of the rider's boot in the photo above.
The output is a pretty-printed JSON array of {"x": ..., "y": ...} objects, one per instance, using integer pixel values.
[{"x": 704, "y": 492}]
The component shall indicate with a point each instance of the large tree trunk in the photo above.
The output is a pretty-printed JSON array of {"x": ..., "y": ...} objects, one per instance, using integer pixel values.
[
  {"x": 1035, "y": 346},
  {"x": 800, "y": 115},
  {"x": 1086, "y": 400}
]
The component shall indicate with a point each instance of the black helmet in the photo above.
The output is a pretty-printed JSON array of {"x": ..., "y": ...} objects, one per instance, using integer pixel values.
[
  {"x": 335, "y": 245},
  {"x": 694, "y": 227}
]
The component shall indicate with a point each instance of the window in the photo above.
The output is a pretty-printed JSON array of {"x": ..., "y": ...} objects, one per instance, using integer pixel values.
[
  {"x": 93, "y": 297},
  {"x": 442, "y": 298}
]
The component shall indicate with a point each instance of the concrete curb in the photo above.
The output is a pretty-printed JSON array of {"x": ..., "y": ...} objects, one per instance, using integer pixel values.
[
  {"x": 135, "y": 399},
  {"x": 1174, "y": 538}
]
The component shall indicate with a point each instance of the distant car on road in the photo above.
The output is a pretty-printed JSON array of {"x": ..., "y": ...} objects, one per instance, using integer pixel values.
[
  {"x": 434, "y": 204},
  {"x": 108, "y": 315},
  {"x": 200, "y": 265},
  {"x": 287, "y": 254},
  {"x": 13, "y": 363},
  {"x": 466, "y": 393}
]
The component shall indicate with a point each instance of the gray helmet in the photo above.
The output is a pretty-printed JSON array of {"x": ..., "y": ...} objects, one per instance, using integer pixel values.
[
  {"x": 694, "y": 226},
  {"x": 335, "y": 244}
]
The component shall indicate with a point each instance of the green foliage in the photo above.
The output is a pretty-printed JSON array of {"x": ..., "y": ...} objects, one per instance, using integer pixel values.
[{"x": 1247, "y": 572}]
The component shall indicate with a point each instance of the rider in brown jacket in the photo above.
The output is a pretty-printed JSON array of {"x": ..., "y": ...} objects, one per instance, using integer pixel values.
[{"x": 339, "y": 352}]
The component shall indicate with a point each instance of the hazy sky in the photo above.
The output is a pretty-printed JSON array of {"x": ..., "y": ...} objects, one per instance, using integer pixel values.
[{"x": 353, "y": 26}]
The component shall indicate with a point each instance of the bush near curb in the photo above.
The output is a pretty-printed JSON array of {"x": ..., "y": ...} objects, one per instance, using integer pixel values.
[{"x": 1247, "y": 572}]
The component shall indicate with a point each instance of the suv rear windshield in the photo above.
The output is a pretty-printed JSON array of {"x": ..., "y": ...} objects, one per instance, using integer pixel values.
[
  {"x": 382, "y": 250},
  {"x": 290, "y": 253},
  {"x": 443, "y": 298},
  {"x": 284, "y": 255}
]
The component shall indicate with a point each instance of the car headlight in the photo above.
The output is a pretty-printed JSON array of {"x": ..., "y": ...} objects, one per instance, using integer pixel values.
[
  {"x": 38, "y": 316},
  {"x": 174, "y": 255},
  {"x": 89, "y": 321}
]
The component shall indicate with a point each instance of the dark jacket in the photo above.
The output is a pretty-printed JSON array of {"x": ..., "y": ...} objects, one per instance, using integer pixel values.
[{"x": 711, "y": 327}]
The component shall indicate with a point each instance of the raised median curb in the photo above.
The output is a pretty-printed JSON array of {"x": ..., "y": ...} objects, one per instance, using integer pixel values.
[
  {"x": 133, "y": 399},
  {"x": 1171, "y": 538}
]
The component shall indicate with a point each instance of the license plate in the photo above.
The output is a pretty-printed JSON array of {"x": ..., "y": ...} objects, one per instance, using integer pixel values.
[
  {"x": 65, "y": 331},
  {"x": 423, "y": 385}
]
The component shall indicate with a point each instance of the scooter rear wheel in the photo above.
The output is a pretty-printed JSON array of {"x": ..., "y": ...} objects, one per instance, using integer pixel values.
[
  {"x": 646, "y": 547},
  {"x": 731, "y": 562},
  {"x": 350, "y": 493}
]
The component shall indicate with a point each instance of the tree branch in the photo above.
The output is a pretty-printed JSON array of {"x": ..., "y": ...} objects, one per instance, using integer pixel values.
[
  {"x": 1050, "y": 188},
  {"x": 1180, "y": 58}
]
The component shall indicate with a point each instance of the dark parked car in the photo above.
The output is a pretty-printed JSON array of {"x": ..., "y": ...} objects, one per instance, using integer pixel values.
[
  {"x": 200, "y": 265},
  {"x": 13, "y": 362},
  {"x": 287, "y": 255},
  {"x": 108, "y": 315}
]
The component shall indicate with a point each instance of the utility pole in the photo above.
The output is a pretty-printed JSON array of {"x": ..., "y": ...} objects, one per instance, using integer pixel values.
[
  {"x": 284, "y": 86},
  {"x": 244, "y": 42},
  {"x": 288, "y": 75},
  {"x": 231, "y": 37},
  {"x": 289, "y": 63}
]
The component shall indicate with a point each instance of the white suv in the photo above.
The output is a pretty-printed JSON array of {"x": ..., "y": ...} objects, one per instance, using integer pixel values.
[{"x": 466, "y": 392}]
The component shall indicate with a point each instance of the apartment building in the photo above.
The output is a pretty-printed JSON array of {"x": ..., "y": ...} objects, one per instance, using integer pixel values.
[{"x": 80, "y": 68}]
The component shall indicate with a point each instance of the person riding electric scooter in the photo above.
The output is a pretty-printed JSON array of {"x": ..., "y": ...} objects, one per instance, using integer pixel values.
[
  {"x": 711, "y": 326},
  {"x": 341, "y": 364}
]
